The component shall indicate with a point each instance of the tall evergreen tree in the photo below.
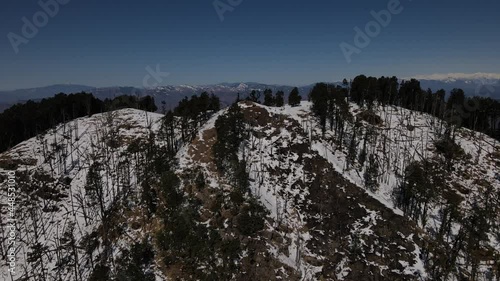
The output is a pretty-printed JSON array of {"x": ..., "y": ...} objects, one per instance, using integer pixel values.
[
  {"x": 294, "y": 98},
  {"x": 269, "y": 98},
  {"x": 319, "y": 97},
  {"x": 254, "y": 96},
  {"x": 280, "y": 99}
]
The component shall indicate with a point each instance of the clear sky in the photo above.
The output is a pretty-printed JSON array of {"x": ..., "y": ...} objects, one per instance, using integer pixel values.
[{"x": 111, "y": 42}]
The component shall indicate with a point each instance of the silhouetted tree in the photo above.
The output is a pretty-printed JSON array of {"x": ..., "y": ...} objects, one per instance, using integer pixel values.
[
  {"x": 294, "y": 97},
  {"x": 280, "y": 99},
  {"x": 269, "y": 98}
]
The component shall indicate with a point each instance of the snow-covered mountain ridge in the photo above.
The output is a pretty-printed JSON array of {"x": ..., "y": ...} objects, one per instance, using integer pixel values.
[
  {"x": 323, "y": 222},
  {"x": 451, "y": 77}
]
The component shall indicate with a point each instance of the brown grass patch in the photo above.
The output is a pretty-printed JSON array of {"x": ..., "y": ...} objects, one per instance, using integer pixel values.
[
  {"x": 200, "y": 150},
  {"x": 256, "y": 115}
]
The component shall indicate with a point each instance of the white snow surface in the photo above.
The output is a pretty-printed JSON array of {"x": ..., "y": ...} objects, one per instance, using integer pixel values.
[{"x": 66, "y": 152}]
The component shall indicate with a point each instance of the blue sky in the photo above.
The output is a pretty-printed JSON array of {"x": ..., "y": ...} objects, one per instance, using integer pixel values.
[{"x": 110, "y": 43}]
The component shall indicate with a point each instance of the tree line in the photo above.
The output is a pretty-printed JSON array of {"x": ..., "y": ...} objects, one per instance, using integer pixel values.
[
  {"x": 270, "y": 99},
  {"x": 23, "y": 121},
  {"x": 474, "y": 112}
]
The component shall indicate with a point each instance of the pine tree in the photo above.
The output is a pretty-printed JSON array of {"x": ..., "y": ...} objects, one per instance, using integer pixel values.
[
  {"x": 319, "y": 97},
  {"x": 294, "y": 98},
  {"x": 280, "y": 99},
  {"x": 171, "y": 197},
  {"x": 231, "y": 126},
  {"x": 134, "y": 264},
  {"x": 254, "y": 96},
  {"x": 214, "y": 103},
  {"x": 269, "y": 98},
  {"x": 359, "y": 89},
  {"x": 371, "y": 174}
]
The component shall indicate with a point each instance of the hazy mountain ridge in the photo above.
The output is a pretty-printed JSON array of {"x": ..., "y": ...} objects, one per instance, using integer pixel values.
[
  {"x": 171, "y": 95},
  {"x": 479, "y": 84},
  {"x": 40, "y": 92},
  {"x": 484, "y": 88},
  {"x": 228, "y": 91}
]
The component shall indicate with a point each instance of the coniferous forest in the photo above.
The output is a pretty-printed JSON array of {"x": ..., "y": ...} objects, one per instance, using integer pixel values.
[{"x": 23, "y": 121}]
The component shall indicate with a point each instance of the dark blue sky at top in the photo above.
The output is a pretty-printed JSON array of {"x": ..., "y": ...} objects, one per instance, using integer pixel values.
[{"x": 111, "y": 42}]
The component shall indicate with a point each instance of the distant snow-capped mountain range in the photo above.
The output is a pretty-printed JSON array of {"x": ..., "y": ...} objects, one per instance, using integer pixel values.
[
  {"x": 452, "y": 77},
  {"x": 483, "y": 84},
  {"x": 475, "y": 84}
]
